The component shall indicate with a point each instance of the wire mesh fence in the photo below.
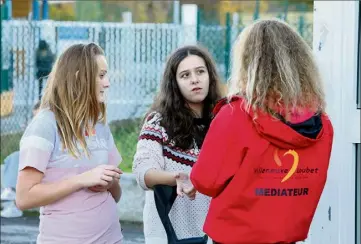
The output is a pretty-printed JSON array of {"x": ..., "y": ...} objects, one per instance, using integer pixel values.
[{"x": 136, "y": 54}]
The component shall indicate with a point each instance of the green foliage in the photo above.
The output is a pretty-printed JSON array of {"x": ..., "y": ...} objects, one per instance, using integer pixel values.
[
  {"x": 125, "y": 134},
  {"x": 89, "y": 11},
  {"x": 9, "y": 144},
  {"x": 64, "y": 11}
]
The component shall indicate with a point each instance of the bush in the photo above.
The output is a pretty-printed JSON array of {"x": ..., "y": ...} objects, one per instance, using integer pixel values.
[
  {"x": 125, "y": 134},
  {"x": 9, "y": 144}
]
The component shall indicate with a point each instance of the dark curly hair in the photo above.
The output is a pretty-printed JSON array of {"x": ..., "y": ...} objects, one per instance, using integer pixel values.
[{"x": 177, "y": 116}]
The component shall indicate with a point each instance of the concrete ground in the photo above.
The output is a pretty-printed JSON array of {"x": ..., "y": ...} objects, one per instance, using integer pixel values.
[{"x": 24, "y": 230}]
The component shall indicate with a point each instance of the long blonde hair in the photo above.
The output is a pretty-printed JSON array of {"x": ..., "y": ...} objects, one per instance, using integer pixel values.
[
  {"x": 71, "y": 94},
  {"x": 273, "y": 67}
]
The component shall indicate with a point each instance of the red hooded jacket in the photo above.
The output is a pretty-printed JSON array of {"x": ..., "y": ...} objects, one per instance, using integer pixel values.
[{"x": 265, "y": 175}]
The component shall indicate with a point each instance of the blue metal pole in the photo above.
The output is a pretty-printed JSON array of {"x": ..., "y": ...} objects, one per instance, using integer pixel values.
[
  {"x": 286, "y": 3},
  {"x": 256, "y": 11},
  {"x": 35, "y": 10},
  {"x": 8, "y": 9},
  {"x": 228, "y": 43},
  {"x": 198, "y": 27},
  {"x": 2, "y": 73},
  {"x": 45, "y": 9}
]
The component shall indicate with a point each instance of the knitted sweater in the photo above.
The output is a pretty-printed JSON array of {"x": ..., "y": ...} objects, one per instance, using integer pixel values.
[{"x": 153, "y": 152}]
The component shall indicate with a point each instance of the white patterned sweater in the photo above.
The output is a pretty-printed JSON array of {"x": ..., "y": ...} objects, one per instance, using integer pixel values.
[{"x": 153, "y": 152}]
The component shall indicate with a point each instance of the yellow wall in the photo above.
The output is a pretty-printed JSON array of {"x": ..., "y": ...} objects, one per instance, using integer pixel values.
[
  {"x": 21, "y": 8},
  {"x": 6, "y": 103}
]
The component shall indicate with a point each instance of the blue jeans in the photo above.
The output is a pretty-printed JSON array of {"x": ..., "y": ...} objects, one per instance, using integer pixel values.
[{"x": 11, "y": 167}]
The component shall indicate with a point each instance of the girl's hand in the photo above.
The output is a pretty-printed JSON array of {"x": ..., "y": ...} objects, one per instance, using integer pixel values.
[
  {"x": 100, "y": 188},
  {"x": 102, "y": 175},
  {"x": 185, "y": 186}
]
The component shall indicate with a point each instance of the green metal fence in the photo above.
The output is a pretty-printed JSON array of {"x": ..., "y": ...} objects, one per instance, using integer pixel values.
[{"x": 136, "y": 54}]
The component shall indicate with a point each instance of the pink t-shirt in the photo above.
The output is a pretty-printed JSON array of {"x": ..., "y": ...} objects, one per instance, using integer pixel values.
[{"x": 84, "y": 216}]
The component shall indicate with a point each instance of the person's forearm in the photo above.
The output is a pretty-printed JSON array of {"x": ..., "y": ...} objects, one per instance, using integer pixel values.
[
  {"x": 116, "y": 191},
  {"x": 46, "y": 193},
  {"x": 159, "y": 177}
]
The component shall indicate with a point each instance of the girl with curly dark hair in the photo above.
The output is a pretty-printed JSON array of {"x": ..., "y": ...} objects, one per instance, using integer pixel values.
[{"x": 171, "y": 138}]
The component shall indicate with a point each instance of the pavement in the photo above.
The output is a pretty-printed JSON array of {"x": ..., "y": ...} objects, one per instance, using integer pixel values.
[{"x": 24, "y": 230}]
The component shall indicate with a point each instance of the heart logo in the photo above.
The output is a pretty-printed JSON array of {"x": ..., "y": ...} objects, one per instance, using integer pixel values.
[{"x": 293, "y": 169}]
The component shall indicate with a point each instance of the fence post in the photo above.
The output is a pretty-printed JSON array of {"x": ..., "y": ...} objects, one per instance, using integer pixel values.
[
  {"x": 198, "y": 31},
  {"x": 176, "y": 12},
  {"x": 285, "y": 10},
  {"x": 35, "y": 10},
  {"x": 301, "y": 25},
  {"x": 45, "y": 9},
  {"x": 2, "y": 9},
  {"x": 256, "y": 11},
  {"x": 302, "y": 21},
  {"x": 5, "y": 15},
  {"x": 228, "y": 44},
  {"x": 8, "y": 10}
]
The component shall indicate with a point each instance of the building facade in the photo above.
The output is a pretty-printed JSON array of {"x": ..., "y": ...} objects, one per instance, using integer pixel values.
[{"x": 336, "y": 44}]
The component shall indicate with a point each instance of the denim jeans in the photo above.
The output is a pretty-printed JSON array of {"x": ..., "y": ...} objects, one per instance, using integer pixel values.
[{"x": 11, "y": 167}]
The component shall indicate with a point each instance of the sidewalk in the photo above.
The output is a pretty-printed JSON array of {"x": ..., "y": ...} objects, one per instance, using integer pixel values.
[{"x": 24, "y": 230}]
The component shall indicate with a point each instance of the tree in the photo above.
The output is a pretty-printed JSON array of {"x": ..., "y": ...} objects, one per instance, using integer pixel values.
[
  {"x": 62, "y": 11},
  {"x": 88, "y": 11}
]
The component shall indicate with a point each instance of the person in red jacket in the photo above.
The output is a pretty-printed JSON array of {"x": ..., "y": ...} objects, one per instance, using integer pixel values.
[{"x": 265, "y": 158}]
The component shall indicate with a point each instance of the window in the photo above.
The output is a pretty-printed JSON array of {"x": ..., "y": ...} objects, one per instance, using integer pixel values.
[{"x": 358, "y": 193}]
